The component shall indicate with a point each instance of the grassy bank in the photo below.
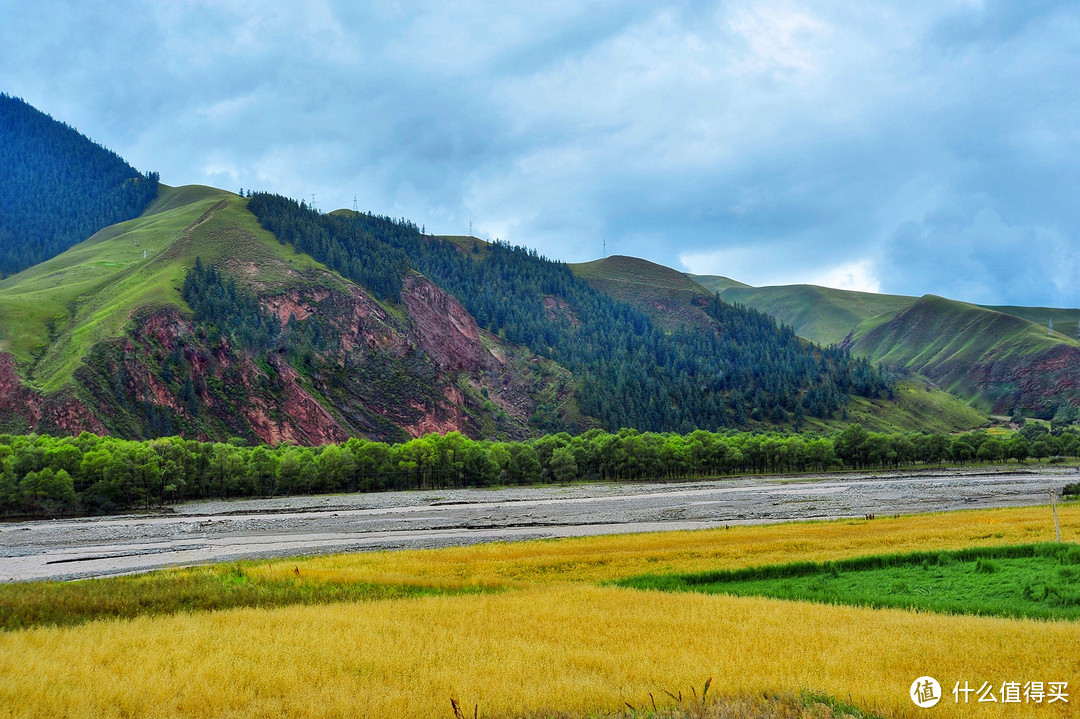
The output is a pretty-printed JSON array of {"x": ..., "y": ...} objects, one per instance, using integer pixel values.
[{"x": 1034, "y": 580}]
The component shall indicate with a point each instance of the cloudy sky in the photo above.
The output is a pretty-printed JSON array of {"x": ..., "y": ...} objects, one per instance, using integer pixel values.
[{"x": 905, "y": 147}]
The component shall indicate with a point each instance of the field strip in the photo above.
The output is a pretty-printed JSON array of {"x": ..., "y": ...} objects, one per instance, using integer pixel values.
[{"x": 560, "y": 647}]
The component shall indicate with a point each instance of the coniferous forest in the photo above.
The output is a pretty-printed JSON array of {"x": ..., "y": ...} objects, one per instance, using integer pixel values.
[
  {"x": 633, "y": 373},
  {"x": 58, "y": 187}
]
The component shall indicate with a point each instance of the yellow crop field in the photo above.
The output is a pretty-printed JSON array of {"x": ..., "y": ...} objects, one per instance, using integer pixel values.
[
  {"x": 604, "y": 558},
  {"x": 556, "y": 639}
]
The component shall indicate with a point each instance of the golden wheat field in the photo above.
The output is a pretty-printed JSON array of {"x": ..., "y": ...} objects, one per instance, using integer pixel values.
[{"x": 556, "y": 639}]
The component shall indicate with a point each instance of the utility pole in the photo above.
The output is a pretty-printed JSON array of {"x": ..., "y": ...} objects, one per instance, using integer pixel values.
[
  {"x": 354, "y": 206},
  {"x": 470, "y": 228},
  {"x": 605, "y": 248},
  {"x": 1053, "y": 503}
]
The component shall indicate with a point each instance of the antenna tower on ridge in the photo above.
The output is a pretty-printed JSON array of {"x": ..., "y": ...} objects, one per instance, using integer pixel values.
[
  {"x": 470, "y": 228},
  {"x": 354, "y": 207}
]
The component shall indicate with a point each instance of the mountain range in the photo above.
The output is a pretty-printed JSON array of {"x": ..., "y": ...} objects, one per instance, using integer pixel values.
[{"x": 215, "y": 315}]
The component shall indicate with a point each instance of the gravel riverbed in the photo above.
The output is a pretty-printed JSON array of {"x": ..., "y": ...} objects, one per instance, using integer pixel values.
[{"x": 212, "y": 531}]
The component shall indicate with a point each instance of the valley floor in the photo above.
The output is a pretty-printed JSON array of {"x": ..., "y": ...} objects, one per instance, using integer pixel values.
[{"x": 203, "y": 532}]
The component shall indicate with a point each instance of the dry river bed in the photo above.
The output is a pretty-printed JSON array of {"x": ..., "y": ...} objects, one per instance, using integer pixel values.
[{"x": 214, "y": 531}]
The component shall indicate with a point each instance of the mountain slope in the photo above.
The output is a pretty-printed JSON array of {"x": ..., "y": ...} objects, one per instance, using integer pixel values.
[
  {"x": 819, "y": 314},
  {"x": 100, "y": 338},
  {"x": 668, "y": 296},
  {"x": 913, "y": 405},
  {"x": 631, "y": 371},
  {"x": 1000, "y": 362},
  {"x": 57, "y": 187},
  {"x": 716, "y": 283},
  {"x": 56, "y": 311},
  {"x": 1066, "y": 321}
]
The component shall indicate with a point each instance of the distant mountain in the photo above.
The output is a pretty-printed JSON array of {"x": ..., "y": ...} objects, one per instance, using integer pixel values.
[
  {"x": 998, "y": 361},
  {"x": 213, "y": 316},
  {"x": 999, "y": 358},
  {"x": 820, "y": 314},
  {"x": 716, "y": 283},
  {"x": 58, "y": 187}
]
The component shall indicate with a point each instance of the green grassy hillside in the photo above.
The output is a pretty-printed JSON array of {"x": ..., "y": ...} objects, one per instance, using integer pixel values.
[
  {"x": 716, "y": 283},
  {"x": 917, "y": 405},
  {"x": 54, "y": 312},
  {"x": 827, "y": 315},
  {"x": 820, "y": 314},
  {"x": 997, "y": 360},
  {"x": 666, "y": 295},
  {"x": 1065, "y": 320}
]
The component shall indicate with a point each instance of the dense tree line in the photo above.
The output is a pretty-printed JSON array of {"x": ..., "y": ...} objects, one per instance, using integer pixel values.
[
  {"x": 58, "y": 187},
  {"x": 632, "y": 372},
  {"x": 43, "y": 475}
]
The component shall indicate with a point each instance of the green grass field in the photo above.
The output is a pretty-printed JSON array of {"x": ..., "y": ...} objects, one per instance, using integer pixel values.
[
  {"x": 53, "y": 313},
  {"x": 1039, "y": 581}
]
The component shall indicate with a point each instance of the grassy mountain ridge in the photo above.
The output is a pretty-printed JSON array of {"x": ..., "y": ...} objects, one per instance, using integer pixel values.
[
  {"x": 915, "y": 403},
  {"x": 716, "y": 283},
  {"x": 668, "y": 296},
  {"x": 56, "y": 311},
  {"x": 1000, "y": 358},
  {"x": 820, "y": 314},
  {"x": 998, "y": 361},
  {"x": 102, "y": 338}
]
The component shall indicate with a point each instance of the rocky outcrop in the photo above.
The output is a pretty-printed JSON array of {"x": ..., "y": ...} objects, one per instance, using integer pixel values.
[
  {"x": 24, "y": 409},
  {"x": 447, "y": 332}
]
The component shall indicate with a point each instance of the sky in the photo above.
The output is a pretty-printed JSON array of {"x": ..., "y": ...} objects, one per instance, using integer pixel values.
[{"x": 907, "y": 147}]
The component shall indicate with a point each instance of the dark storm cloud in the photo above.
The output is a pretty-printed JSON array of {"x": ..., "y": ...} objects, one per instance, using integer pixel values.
[{"x": 911, "y": 147}]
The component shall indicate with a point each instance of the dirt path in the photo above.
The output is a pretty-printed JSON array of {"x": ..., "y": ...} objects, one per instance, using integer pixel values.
[{"x": 203, "y": 532}]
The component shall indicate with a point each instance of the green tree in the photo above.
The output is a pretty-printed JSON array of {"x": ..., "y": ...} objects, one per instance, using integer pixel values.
[{"x": 563, "y": 465}]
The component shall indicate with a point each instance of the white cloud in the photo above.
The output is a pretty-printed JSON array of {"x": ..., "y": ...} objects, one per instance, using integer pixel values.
[
  {"x": 768, "y": 140},
  {"x": 860, "y": 276},
  {"x": 751, "y": 266}
]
